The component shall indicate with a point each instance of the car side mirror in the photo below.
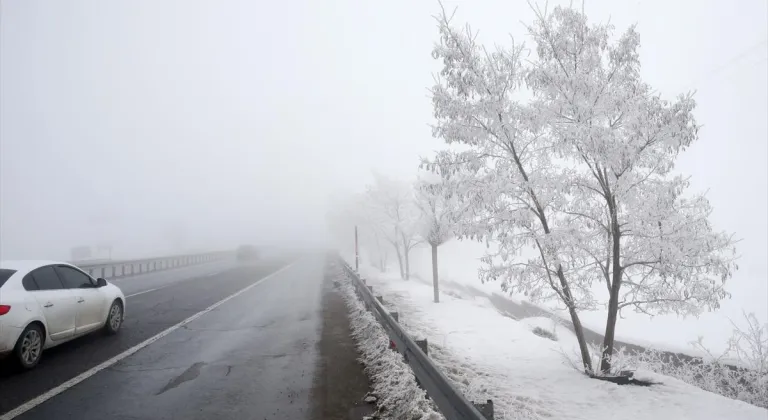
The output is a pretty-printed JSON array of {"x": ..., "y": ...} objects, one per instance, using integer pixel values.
[{"x": 100, "y": 282}]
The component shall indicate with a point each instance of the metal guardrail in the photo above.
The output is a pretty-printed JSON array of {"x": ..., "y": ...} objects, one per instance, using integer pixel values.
[
  {"x": 451, "y": 403},
  {"x": 124, "y": 268}
]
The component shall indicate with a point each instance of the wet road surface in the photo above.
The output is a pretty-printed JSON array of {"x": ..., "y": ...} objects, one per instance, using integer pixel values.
[{"x": 255, "y": 356}]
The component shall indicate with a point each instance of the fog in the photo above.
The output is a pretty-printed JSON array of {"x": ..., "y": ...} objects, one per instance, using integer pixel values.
[{"x": 167, "y": 126}]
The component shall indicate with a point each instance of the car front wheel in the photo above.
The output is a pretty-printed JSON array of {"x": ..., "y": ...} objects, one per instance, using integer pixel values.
[
  {"x": 115, "y": 318},
  {"x": 29, "y": 347}
]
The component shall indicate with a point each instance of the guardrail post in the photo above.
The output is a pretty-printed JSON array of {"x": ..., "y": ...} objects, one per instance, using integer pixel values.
[
  {"x": 424, "y": 348},
  {"x": 486, "y": 409},
  {"x": 395, "y": 316},
  {"x": 380, "y": 299},
  {"x": 102, "y": 272},
  {"x": 370, "y": 288},
  {"x": 423, "y": 345}
]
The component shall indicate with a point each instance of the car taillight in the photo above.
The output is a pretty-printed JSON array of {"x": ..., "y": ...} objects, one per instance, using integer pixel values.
[{"x": 4, "y": 309}]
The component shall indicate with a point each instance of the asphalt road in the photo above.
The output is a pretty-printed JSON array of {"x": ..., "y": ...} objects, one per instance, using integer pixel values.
[{"x": 260, "y": 354}]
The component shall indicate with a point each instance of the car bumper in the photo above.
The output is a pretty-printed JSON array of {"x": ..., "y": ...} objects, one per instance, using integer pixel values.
[{"x": 8, "y": 337}]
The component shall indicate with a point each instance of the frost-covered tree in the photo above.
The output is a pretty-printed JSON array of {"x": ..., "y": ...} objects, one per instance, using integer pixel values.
[
  {"x": 749, "y": 345},
  {"x": 392, "y": 209},
  {"x": 372, "y": 234},
  {"x": 505, "y": 178},
  {"x": 581, "y": 172},
  {"x": 436, "y": 204},
  {"x": 637, "y": 227}
]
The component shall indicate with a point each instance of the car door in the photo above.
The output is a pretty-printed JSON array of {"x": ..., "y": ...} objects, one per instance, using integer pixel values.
[
  {"x": 91, "y": 304},
  {"x": 58, "y": 304}
]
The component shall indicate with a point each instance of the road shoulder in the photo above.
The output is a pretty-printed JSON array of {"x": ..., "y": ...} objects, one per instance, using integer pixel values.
[{"x": 340, "y": 384}]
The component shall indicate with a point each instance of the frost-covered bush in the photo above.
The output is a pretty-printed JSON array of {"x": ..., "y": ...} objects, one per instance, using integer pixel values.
[
  {"x": 393, "y": 382},
  {"x": 741, "y": 372}
]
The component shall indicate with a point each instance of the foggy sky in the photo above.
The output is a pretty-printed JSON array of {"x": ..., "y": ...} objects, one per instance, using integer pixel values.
[{"x": 207, "y": 123}]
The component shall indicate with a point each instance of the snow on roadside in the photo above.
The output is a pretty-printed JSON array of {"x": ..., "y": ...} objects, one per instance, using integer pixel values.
[
  {"x": 392, "y": 380},
  {"x": 489, "y": 355}
]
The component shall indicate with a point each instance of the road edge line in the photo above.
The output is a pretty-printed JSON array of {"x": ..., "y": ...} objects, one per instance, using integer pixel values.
[{"x": 34, "y": 402}]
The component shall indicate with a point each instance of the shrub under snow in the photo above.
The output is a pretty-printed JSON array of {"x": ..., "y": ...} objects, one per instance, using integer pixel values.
[
  {"x": 740, "y": 373},
  {"x": 393, "y": 382}
]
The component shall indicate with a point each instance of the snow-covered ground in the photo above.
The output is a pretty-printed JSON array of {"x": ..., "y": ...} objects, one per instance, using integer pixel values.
[
  {"x": 459, "y": 261},
  {"x": 489, "y": 355}
]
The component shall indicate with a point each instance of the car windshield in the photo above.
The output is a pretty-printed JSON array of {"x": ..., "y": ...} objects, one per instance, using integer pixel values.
[{"x": 5, "y": 274}]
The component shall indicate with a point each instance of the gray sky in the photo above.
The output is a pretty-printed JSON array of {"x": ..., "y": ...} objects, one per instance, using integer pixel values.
[{"x": 124, "y": 122}]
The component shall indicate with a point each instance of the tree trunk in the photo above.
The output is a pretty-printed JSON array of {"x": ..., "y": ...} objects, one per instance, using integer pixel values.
[
  {"x": 384, "y": 261},
  {"x": 406, "y": 251},
  {"x": 400, "y": 260},
  {"x": 613, "y": 302},
  {"x": 577, "y": 327},
  {"x": 407, "y": 266},
  {"x": 610, "y": 330},
  {"x": 434, "y": 274},
  {"x": 380, "y": 253}
]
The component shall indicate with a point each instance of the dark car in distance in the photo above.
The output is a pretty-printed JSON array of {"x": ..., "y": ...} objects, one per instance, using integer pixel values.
[{"x": 247, "y": 253}]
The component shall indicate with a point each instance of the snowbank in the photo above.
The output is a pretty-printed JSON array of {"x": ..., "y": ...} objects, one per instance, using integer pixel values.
[{"x": 489, "y": 355}]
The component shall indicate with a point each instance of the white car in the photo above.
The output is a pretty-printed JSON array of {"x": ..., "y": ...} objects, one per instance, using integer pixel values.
[{"x": 46, "y": 303}]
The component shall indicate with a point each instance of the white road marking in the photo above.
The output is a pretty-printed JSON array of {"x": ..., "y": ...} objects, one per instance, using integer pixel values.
[
  {"x": 214, "y": 274},
  {"x": 96, "y": 369},
  {"x": 146, "y": 291}
]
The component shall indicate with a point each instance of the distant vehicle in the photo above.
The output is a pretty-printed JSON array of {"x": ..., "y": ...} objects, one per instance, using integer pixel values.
[
  {"x": 46, "y": 303},
  {"x": 247, "y": 253}
]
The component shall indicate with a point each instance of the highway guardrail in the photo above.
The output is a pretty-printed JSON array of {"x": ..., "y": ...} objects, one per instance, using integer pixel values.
[
  {"x": 125, "y": 268},
  {"x": 451, "y": 403}
]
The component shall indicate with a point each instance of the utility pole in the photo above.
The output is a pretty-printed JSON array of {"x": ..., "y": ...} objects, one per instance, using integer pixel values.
[{"x": 357, "y": 254}]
